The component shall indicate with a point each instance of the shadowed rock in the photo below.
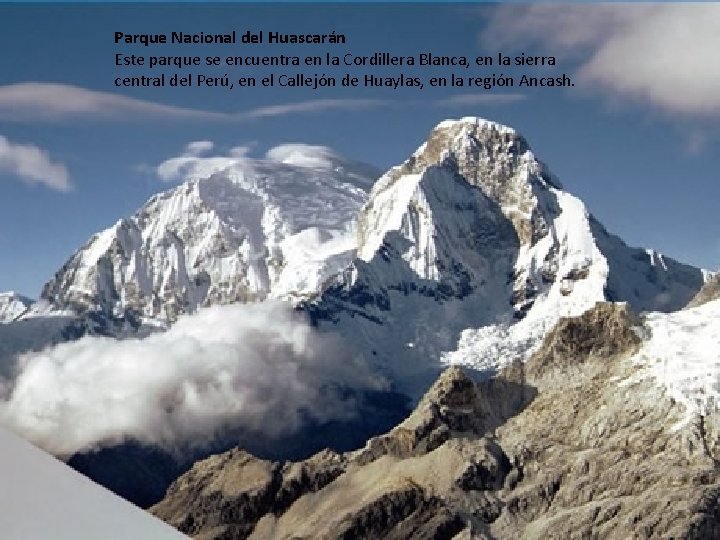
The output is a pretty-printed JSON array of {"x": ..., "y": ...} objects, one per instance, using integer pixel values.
[
  {"x": 570, "y": 445},
  {"x": 398, "y": 486}
]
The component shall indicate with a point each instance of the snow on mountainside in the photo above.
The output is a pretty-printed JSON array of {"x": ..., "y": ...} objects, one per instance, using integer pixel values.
[
  {"x": 12, "y": 306},
  {"x": 471, "y": 250},
  {"x": 238, "y": 230},
  {"x": 682, "y": 352},
  {"x": 466, "y": 253},
  {"x": 43, "y": 498}
]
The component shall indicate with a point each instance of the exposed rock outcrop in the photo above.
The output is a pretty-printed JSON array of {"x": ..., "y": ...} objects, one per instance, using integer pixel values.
[
  {"x": 600, "y": 453},
  {"x": 569, "y": 445},
  {"x": 605, "y": 331},
  {"x": 710, "y": 291}
]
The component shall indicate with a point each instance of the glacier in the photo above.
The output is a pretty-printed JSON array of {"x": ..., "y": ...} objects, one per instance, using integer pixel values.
[{"x": 238, "y": 230}]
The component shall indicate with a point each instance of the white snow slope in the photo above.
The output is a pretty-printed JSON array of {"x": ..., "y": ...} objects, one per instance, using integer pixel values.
[
  {"x": 467, "y": 253},
  {"x": 683, "y": 355},
  {"x": 238, "y": 230},
  {"x": 44, "y": 499}
]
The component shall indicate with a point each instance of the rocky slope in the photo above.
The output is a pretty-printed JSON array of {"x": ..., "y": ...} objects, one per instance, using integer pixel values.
[
  {"x": 472, "y": 226},
  {"x": 468, "y": 253},
  {"x": 572, "y": 444},
  {"x": 710, "y": 291}
]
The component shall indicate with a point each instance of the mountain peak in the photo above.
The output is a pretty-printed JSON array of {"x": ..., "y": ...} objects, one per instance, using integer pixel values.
[
  {"x": 475, "y": 121},
  {"x": 472, "y": 139},
  {"x": 470, "y": 251},
  {"x": 13, "y": 305},
  {"x": 467, "y": 252},
  {"x": 239, "y": 229}
]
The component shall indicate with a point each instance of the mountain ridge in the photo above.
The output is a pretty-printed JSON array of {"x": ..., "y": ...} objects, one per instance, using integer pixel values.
[
  {"x": 158, "y": 263},
  {"x": 470, "y": 251},
  {"x": 229, "y": 236},
  {"x": 568, "y": 445}
]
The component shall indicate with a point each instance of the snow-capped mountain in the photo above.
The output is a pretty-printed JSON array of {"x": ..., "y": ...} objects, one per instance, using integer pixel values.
[
  {"x": 238, "y": 230},
  {"x": 471, "y": 249},
  {"x": 43, "y": 498},
  {"x": 13, "y": 306},
  {"x": 468, "y": 252}
]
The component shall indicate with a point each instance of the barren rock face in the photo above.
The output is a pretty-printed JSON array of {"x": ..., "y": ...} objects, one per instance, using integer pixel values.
[
  {"x": 598, "y": 455},
  {"x": 710, "y": 291},
  {"x": 224, "y": 496},
  {"x": 602, "y": 332},
  {"x": 569, "y": 445}
]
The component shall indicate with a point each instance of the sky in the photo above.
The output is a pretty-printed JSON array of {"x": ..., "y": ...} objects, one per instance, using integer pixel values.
[{"x": 636, "y": 137}]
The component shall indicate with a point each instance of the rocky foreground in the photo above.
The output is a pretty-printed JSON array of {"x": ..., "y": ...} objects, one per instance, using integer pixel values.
[{"x": 568, "y": 445}]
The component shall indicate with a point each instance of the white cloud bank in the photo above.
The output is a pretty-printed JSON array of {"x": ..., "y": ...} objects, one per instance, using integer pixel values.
[
  {"x": 193, "y": 163},
  {"x": 260, "y": 367},
  {"x": 32, "y": 165},
  {"x": 663, "y": 53}
]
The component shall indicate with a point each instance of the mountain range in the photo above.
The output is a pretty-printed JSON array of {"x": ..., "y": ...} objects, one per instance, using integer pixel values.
[
  {"x": 468, "y": 254},
  {"x": 570, "y": 444}
]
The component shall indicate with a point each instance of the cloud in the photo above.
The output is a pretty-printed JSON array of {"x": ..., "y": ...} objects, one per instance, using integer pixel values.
[
  {"x": 316, "y": 105},
  {"x": 47, "y": 101},
  {"x": 664, "y": 54},
  {"x": 184, "y": 167},
  {"x": 197, "y": 148},
  {"x": 469, "y": 100},
  {"x": 241, "y": 151},
  {"x": 191, "y": 165},
  {"x": 32, "y": 165},
  {"x": 256, "y": 367},
  {"x": 304, "y": 155},
  {"x": 35, "y": 101}
]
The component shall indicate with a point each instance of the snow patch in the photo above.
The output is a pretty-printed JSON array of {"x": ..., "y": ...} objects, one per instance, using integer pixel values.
[{"x": 683, "y": 356}]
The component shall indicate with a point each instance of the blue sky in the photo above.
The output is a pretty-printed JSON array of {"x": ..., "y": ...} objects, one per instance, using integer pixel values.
[{"x": 636, "y": 138}]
